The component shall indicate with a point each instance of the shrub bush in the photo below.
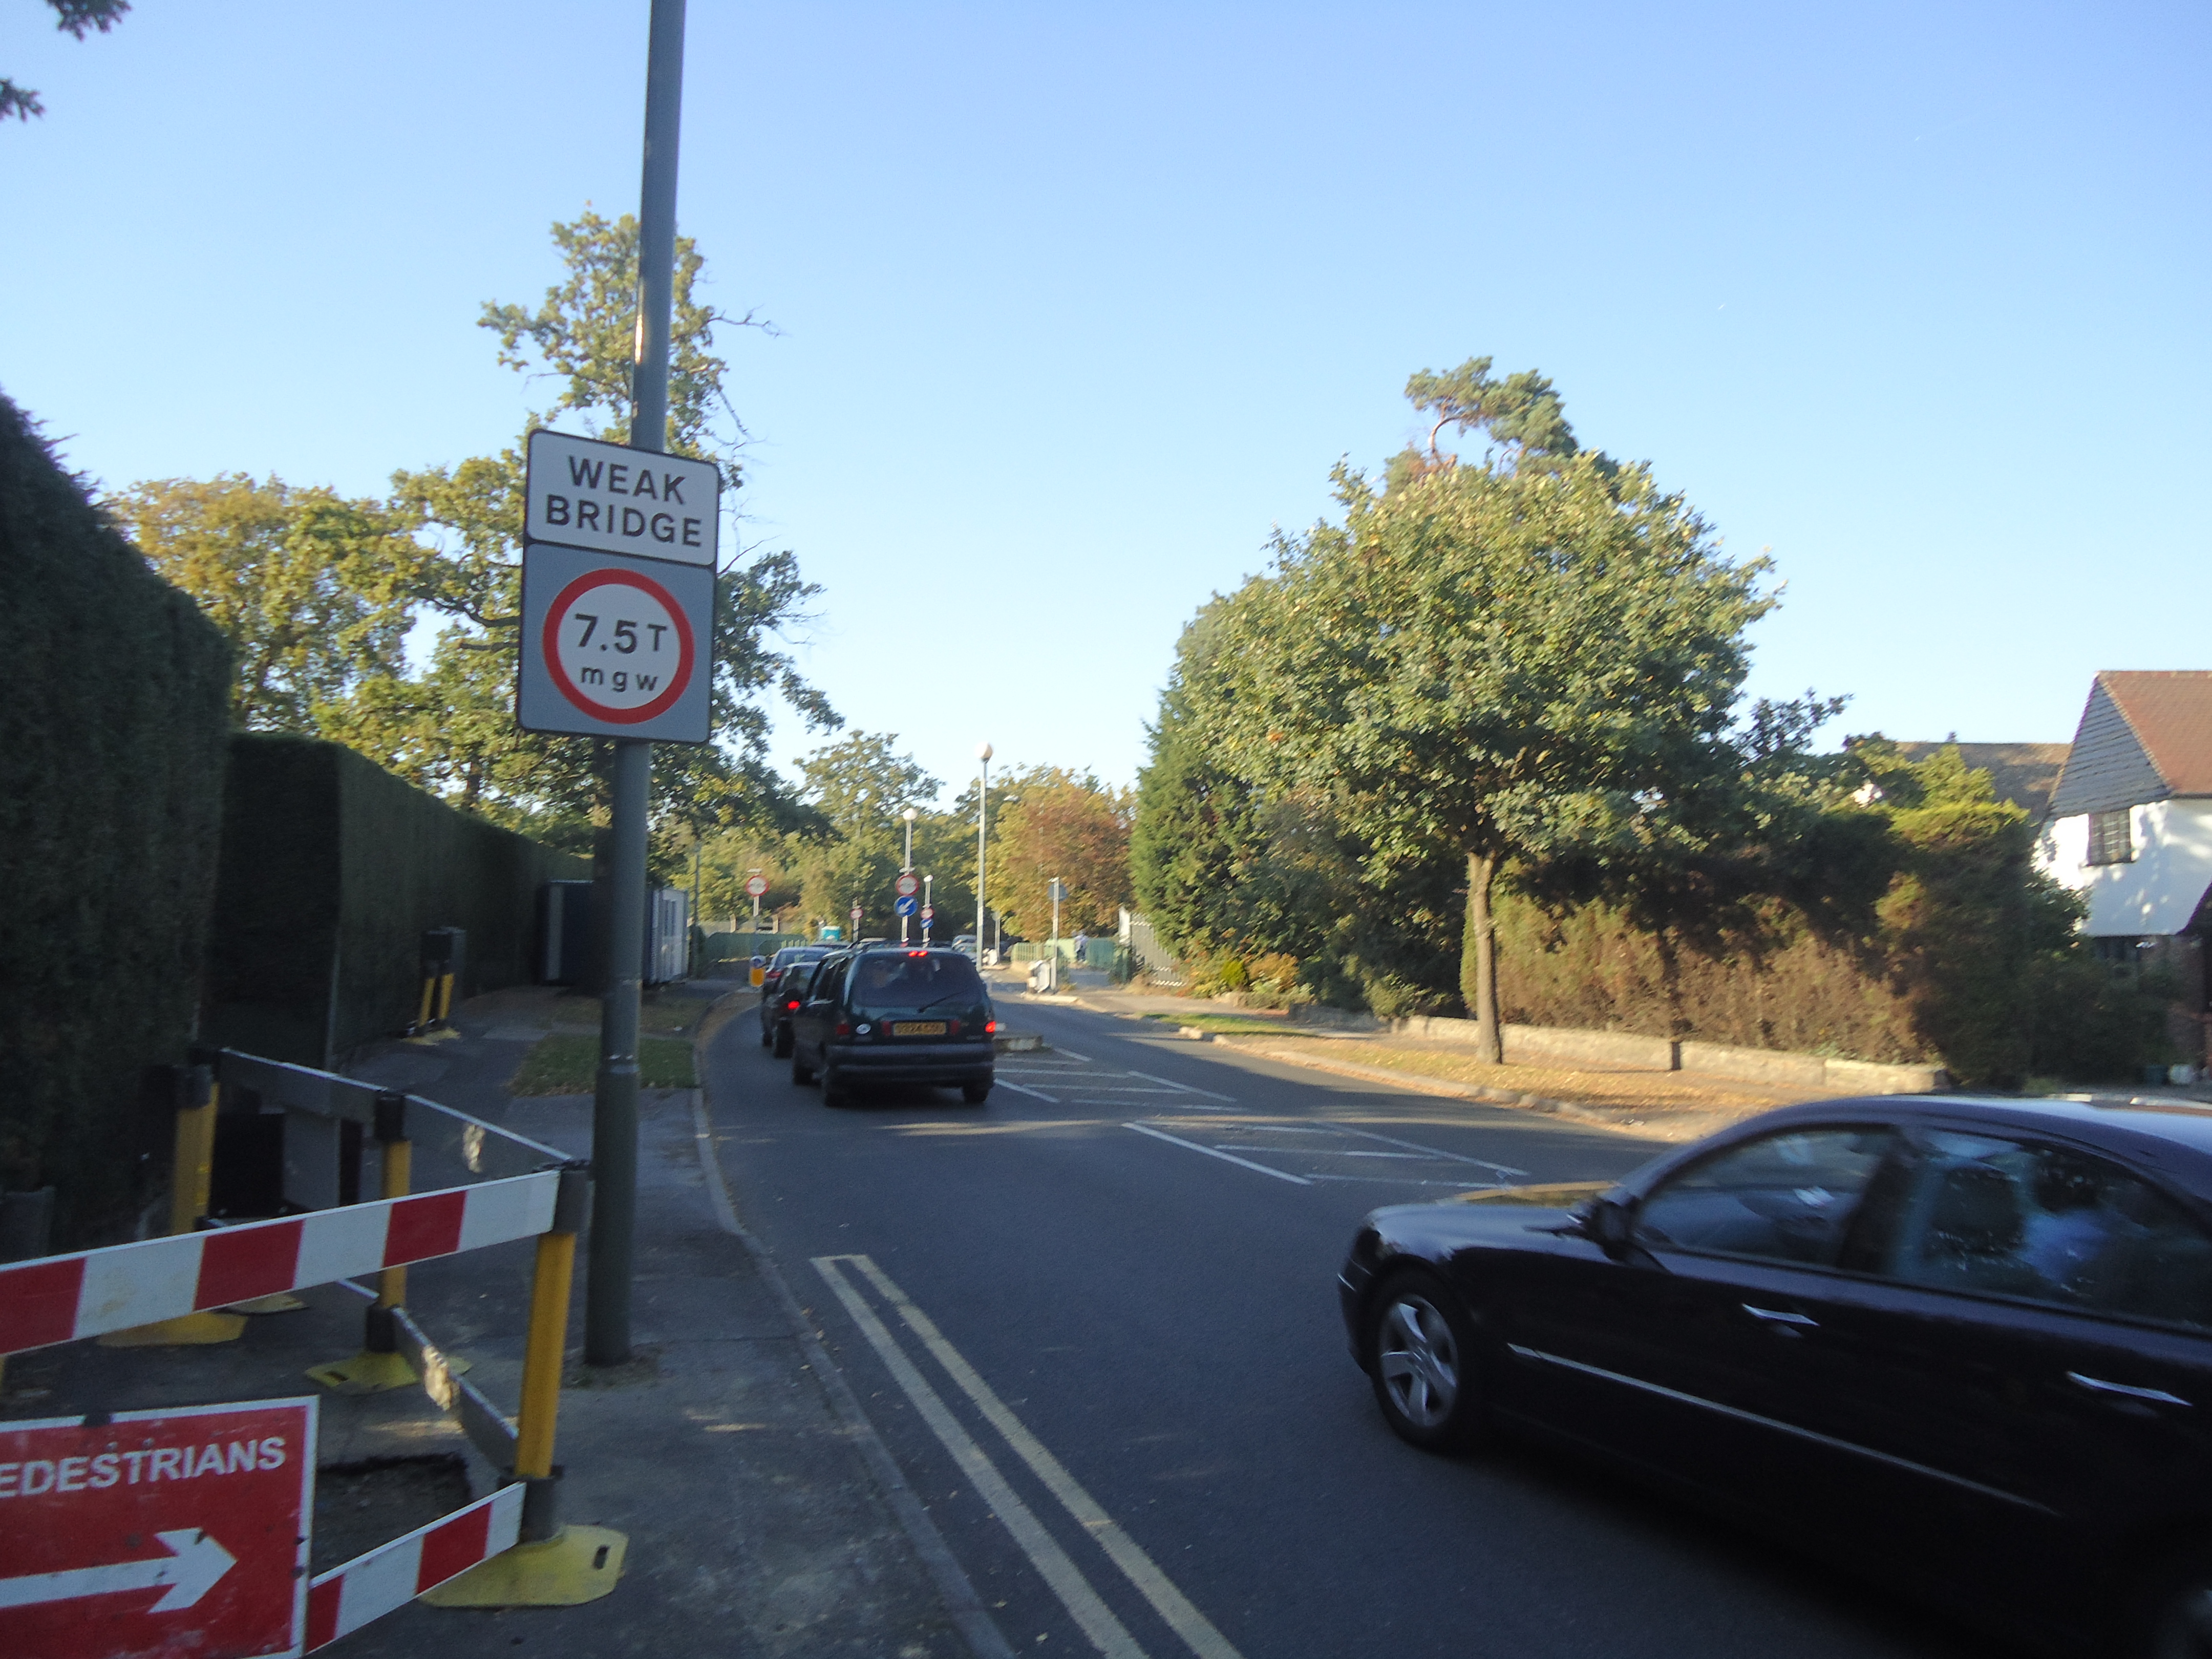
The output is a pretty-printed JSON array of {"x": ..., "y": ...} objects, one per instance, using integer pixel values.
[{"x": 113, "y": 694}]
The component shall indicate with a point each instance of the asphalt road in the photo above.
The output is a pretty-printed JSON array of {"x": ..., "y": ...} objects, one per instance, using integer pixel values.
[{"x": 1095, "y": 1321}]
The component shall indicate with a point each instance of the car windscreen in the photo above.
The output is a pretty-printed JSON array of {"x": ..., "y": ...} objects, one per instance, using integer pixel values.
[{"x": 901, "y": 979}]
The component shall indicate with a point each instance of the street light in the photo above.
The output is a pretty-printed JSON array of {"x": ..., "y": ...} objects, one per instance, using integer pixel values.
[
  {"x": 907, "y": 869},
  {"x": 982, "y": 822}
]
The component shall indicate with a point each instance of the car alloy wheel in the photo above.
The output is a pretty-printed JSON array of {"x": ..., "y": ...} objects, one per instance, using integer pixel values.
[{"x": 1423, "y": 1365}]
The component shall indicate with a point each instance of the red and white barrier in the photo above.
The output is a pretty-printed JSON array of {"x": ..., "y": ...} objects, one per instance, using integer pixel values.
[
  {"x": 343, "y": 1600},
  {"x": 64, "y": 1297}
]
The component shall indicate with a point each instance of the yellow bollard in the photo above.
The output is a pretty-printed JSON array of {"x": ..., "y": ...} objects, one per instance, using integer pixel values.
[
  {"x": 190, "y": 1182},
  {"x": 379, "y": 1365},
  {"x": 553, "y": 1566}
]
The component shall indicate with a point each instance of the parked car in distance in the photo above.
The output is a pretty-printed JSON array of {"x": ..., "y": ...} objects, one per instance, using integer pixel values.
[
  {"x": 786, "y": 978},
  {"x": 1965, "y": 1344},
  {"x": 915, "y": 1015}
]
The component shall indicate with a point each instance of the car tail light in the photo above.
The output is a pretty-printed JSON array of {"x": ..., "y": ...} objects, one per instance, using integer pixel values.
[
  {"x": 991, "y": 1027},
  {"x": 791, "y": 1004},
  {"x": 952, "y": 1027},
  {"x": 844, "y": 1028}
]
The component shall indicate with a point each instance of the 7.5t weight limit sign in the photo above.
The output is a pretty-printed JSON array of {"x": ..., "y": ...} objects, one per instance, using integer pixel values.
[{"x": 614, "y": 647}]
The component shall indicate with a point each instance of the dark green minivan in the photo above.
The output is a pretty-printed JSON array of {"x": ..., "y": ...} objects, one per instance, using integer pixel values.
[{"x": 896, "y": 1015}]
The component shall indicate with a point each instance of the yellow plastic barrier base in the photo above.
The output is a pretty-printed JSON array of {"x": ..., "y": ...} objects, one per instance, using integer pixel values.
[
  {"x": 282, "y": 1302},
  {"x": 576, "y": 1565},
  {"x": 374, "y": 1373},
  {"x": 191, "y": 1330},
  {"x": 440, "y": 1034}
]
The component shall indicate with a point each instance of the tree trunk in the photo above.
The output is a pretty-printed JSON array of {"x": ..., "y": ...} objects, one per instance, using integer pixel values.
[{"x": 1478, "y": 961}]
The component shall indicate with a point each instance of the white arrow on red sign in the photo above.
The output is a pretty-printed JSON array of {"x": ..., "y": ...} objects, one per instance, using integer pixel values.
[{"x": 193, "y": 1566}]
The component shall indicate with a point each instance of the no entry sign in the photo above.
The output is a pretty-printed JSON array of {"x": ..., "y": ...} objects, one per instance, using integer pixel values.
[
  {"x": 613, "y": 646},
  {"x": 181, "y": 1533}
]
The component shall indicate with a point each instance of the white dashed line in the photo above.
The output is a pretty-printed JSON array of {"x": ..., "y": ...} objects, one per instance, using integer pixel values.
[{"x": 1226, "y": 1158}]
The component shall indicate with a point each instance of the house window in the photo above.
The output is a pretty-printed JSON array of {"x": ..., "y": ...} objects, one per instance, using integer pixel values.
[{"x": 2110, "y": 841}]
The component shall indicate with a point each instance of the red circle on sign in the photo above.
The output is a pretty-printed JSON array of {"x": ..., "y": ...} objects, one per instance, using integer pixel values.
[{"x": 551, "y": 642}]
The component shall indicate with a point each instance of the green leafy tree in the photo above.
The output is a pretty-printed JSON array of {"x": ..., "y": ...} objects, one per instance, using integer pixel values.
[
  {"x": 1232, "y": 871},
  {"x": 74, "y": 18},
  {"x": 1065, "y": 825},
  {"x": 451, "y": 728},
  {"x": 1535, "y": 657},
  {"x": 859, "y": 785},
  {"x": 315, "y": 593}
]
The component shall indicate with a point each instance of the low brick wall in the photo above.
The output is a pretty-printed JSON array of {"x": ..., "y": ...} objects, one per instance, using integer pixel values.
[
  {"x": 1555, "y": 1045},
  {"x": 1756, "y": 1065}
]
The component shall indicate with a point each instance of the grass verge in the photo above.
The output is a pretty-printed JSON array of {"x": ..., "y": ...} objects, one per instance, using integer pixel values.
[
  {"x": 1656, "y": 1091},
  {"x": 1232, "y": 1024},
  {"x": 567, "y": 1063},
  {"x": 670, "y": 1014}
]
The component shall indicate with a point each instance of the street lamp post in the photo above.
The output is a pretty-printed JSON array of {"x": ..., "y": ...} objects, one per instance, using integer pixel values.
[
  {"x": 982, "y": 823},
  {"x": 907, "y": 869}
]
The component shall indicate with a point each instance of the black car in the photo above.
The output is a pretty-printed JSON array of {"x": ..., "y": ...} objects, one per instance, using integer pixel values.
[
  {"x": 895, "y": 1016},
  {"x": 1966, "y": 1342},
  {"x": 782, "y": 980}
]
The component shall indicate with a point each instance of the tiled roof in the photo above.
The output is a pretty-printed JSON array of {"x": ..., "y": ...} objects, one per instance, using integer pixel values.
[
  {"x": 2171, "y": 714},
  {"x": 2023, "y": 773}
]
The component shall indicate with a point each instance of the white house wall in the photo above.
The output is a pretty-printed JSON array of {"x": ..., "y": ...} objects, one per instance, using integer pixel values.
[{"x": 2160, "y": 891}]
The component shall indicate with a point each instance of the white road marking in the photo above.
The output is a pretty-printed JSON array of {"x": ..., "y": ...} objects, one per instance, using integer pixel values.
[
  {"x": 1181, "y": 1088},
  {"x": 1226, "y": 1158},
  {"x": 1097, "y": 1621},
  {"x": 1414, "y": 1148},
  {"x": 1196, "y": 1631},
  {"x": 1033, "y": 1094}
]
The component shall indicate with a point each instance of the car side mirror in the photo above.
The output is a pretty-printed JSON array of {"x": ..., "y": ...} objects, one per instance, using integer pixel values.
[{"x": 1610, "y": 1223}]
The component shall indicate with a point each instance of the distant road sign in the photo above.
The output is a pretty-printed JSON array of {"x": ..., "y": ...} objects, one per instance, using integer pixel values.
[
  {"x": 615, "y": 647},
  {"x": 909, "y": 884},
  {"x": 929, "y": 912},
  {"x": 174, "y": 1532},
  {"x": 756, "y": 885},
  {"x": 906, "y": 905},
  {"x": 583, "y": 492}
]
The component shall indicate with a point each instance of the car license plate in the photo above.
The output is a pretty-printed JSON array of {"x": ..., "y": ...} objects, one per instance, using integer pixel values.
[{"x": 918, "y": 1028}]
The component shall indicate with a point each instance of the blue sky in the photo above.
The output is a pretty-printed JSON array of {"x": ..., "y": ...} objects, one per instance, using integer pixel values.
[{"x": 1075, "y": 304}]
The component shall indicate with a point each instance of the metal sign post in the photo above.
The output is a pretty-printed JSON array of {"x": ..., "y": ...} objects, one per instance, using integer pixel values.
[
  {"x": 667, "y": 529},
  {"x": 982, "y": 842}
]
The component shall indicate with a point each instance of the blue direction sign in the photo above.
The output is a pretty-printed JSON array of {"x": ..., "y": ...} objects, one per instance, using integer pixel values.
[{"x": 907, "y": 906}]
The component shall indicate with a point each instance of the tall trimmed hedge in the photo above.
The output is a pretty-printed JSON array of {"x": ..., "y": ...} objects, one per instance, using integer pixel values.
[
  {"x": 112, "y": 725},
  {"x": 331, "y": 870}
]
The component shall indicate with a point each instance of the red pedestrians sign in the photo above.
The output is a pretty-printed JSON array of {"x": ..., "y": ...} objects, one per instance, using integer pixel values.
[{"x": 180, "y": 1534}]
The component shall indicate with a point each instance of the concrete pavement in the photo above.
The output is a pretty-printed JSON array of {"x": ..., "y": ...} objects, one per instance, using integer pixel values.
[{"x": 763, "y": 1516}]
